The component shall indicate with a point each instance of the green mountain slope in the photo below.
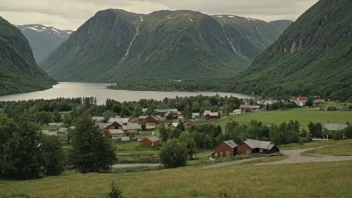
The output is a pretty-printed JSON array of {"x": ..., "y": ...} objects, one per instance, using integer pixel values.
[
  {"x": 313, "y": 57},
  {"x": 116, "y": 45},
  {"x": 18, "y": 70}
]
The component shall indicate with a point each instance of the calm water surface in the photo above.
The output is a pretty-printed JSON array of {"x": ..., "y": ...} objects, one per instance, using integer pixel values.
[{"x": 99, "y": 91}]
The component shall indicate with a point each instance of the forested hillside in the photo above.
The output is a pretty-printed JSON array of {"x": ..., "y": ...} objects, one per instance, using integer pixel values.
[
  {"x": 313, "y": 57},
  {"x": 18, "y": 70}
]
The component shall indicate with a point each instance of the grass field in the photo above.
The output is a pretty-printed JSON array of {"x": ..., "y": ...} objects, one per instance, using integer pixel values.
[
  {"x": 293, "y": 180},
  {"x": 336, "y": 148},
  {"x": 303, "y": 116}
]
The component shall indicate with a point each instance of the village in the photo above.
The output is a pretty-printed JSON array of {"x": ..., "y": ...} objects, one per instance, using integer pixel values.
[{"x": 141, "y": 135}]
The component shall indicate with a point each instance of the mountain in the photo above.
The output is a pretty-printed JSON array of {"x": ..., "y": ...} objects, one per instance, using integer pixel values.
[
  {"x": 313, "y": 57},
  {"x": 18, "y": 70},
  {"x": 43, "y": 40},
  {"x": 115, "y": 45}
]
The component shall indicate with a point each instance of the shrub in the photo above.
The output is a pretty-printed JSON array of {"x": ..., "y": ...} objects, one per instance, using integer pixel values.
[
  {"x": 115, "y": 192},
  {"x": 174, "y": 154}
]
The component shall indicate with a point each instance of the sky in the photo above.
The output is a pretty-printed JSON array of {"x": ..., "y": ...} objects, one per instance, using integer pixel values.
[{"x": 71, "y": 14}]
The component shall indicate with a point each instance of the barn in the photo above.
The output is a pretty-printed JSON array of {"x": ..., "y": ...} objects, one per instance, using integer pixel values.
[
  {"x": 226, "y": 149},
  {"x": 255, "y": 146},
  {"x": 208, "y": 115},
  {"x": 150, "y": 141}
]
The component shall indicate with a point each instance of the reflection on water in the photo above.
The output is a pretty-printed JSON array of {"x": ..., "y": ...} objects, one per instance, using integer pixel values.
[{"x": 99, "y": 91}]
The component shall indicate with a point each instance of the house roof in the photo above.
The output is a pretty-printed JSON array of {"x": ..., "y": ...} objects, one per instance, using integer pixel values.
[
  {"x": 132, "y": 126},
  {"x": 195, "y": 114},
  {"x": 299, "y": 98},
  {"x": 231, "y": 143},
  {"x": 335, "y": 127},
  {"x": 158, "y": 118},
  {"x": 116, "y": 131},
  {"x": 153, "y": 138},
  {"x": 213, "y": 114},
  {"x": 119, "y": 120},
  {"x": 101, "y": 125},
  {"x": 143, "y": 117},
  {"x": 254, "y": 144}
]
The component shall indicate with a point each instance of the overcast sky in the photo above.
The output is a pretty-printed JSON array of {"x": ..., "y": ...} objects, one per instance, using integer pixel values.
[{"x": 70, "y": 14}]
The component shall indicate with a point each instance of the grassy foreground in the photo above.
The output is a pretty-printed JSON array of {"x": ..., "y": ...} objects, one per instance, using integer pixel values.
[
  {"x": 292, "y": 180},
  {"x": 336, "y": 148},
  {"x": 303, "y": 116}
]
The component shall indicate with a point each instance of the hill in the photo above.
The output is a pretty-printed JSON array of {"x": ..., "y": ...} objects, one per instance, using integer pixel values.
[
  {"x": 116, "y": 45},
  {"x": 313, "y": 57},
  {"x": 43, "y": 40},
  {"x": 18, "y": 70}
]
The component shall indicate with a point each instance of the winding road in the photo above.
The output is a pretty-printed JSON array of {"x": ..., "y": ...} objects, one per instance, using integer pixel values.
[{"x": 296, "y": 157}]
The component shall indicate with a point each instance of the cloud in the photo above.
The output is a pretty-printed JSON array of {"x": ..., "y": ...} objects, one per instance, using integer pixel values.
[{"x": 70, "y": 14}]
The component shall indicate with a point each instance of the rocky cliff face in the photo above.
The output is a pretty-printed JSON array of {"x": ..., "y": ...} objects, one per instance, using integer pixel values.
[{"x": 19, "y": 72}]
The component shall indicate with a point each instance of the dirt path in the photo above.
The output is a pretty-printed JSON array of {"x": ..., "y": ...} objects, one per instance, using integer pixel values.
[
  {"x": 135, "y": 165},
  {"x": 232, "y": 163},
  {"x": 296, "y": 157}
]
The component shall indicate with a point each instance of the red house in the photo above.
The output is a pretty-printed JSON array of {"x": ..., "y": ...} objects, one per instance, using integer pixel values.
[
  {"x": 114, "y": 125},
  {"x": 150, "y": 141},
  {"x": 208, "y": 115},
  {"x": 150, "y": 119},
  {"x": 226, "y": 149}
]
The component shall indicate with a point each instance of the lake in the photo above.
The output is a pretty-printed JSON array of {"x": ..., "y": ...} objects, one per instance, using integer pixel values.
[{"x": 99, "y": 91}]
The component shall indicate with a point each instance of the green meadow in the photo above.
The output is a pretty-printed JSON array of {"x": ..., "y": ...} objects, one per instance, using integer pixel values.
[
  {"x": 303, "y": 116},
  {"x": 247, "y": 180}
]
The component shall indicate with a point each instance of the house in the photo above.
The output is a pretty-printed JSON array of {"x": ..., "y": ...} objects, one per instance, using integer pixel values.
[
  {"x": 237, "y": 111},
  {"x": 150, "y": 119},
  {"x": 114, "y": 125},
  {"x": 195, "y": 116},
  {"x": 102, "y": 125},
  {"x": 150, "y": 141},
  {"x": 208, "y": 115},
  {"x": 319, "y": 101},
  {"x": 131, "y": 128},
  {"x": 300, "y": 101},
  {"x": 150, "y": 126},
  {"x": 117, "y": 134},
  {"x": 62, "y": 130},
  {"x": 334, "y": 127},
  {"x": 226, "y": 149},
  {"x": 98, "y": 119},
  {"x": 255, "y": 146},
  {"x": 249, "y": 108}
]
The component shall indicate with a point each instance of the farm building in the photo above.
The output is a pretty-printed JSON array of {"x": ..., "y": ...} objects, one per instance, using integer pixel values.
[
  {"x": 150, "y": 141},
  {"x": 150, "y": 119},
  {"x": 255, "y": 146},
  {"x": 300, "y": 101},
  {"x": 334, "y": 127},
  {"x": 226, "y": 149},
  {"x": 195, "y": 116},
  {"x": 208, "y": 115}
]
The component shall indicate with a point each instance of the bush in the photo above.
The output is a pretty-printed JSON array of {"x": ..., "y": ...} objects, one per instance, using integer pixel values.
[
  {"x": 348, "y": 132},
  {"x": 115, "y": 192},
  {"x": 332, "y": 109},
  {"x": 338, "y": 135}
]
